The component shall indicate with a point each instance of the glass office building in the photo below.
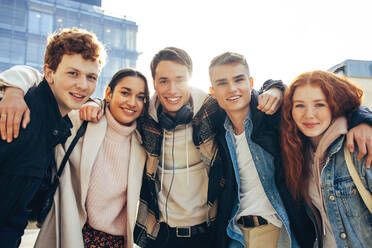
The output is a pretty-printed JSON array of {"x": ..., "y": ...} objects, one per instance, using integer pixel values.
[{"x": 25, "y": 25}]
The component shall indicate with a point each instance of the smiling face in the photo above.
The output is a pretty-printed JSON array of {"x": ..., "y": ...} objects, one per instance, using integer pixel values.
[
  {"x": 73, "y": 82},
  {"x": 171, "y": 85},
  {"x": 311, "y": 111},
  {"x": 231, "y": 86},
  {"x": 127, "y": 101}
]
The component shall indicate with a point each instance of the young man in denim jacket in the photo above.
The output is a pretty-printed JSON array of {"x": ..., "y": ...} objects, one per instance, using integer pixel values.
[{"x": 255, "y": 204}]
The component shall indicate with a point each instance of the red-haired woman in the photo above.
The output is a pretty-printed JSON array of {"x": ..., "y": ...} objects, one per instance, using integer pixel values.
[{"x": 313, "y": 140}]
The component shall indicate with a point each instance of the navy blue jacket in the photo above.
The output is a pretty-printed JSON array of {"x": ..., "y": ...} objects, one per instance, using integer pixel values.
[{"x": 29, "y": 154}]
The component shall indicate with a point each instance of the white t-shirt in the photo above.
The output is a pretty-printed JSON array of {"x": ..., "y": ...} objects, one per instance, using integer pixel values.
[{"x": 253, "y": 199}]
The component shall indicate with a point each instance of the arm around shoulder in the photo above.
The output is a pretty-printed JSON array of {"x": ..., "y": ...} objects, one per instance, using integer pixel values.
[
  {"x": 21, "y": 76},
  {"x": 363, "y": 171}
]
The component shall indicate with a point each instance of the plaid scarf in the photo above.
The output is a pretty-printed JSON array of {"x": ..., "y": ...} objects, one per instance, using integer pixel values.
[{"x": 204, "y": 126}]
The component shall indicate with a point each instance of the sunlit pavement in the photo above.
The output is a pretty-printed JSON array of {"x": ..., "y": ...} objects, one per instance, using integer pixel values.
[{"x": 29, "y": 238}]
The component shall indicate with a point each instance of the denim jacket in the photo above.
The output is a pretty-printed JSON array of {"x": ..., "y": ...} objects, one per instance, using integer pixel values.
[
  {"x": 350, "y": 219},
  {"x": 264, "y": 163}
]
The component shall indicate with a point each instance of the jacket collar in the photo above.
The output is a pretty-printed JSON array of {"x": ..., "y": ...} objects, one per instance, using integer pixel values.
[
  {"x": 197, "y": 98},
  {"x": 58, "y": 126},
  {"x": 254, "y": 115}
]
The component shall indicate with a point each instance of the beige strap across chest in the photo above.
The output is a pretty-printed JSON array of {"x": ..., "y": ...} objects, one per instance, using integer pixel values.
[{"x": 364, "y": 193}]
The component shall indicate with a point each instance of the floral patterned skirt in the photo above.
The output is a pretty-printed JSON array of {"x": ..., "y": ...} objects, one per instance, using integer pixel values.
[{"x": 98, "y": 239}]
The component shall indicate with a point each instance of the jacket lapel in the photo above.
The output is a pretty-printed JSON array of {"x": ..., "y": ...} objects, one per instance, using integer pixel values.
[
  {"x": 93, "y": 139},
  {"x": 136, "y": 166}
]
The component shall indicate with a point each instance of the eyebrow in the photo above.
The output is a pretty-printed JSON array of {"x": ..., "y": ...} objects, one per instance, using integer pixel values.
[
  {"x": 73, "y": 68},
  {"x": 220, "y": 80},
  {"x": 129, "y": 89},
  {"x": 239, "y": 76},
  {"x": 316, "y": 100},
  {"x": 224, "y": 79}
]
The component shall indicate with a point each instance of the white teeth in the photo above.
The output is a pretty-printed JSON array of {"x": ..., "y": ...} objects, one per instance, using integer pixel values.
[
  {"x": 77, "y": 95},
  {"x": 173, "y": 99},
  {"x": 129, "y": 110},
  {"x": 233, "y": 98}
]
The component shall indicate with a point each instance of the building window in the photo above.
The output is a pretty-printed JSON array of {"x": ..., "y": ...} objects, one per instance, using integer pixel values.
[
  {"x": 92, "y": 24},
  {"x": 40, "y": 23},
  {"x": 18, "y": 49},
  {"x": 130, "y": 39},
  {"x": 114, "y": 64},
  {"x": 20, "y": 20},
  {"x": 113, "y": 35},
  {"x": 35, "y": 51},
  {"x": 6, "y": 17},
  {"x": 5, "y": 49},
  {"x": 66, "y": 19}
]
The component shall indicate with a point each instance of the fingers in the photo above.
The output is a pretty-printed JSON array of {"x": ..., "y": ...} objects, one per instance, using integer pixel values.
[
  {"x": 350, "y": 141},
  {"x": 9, "y": 126},
  {"x": 12, "y": 109},
  {"x": 362, "y": 135},
  {"x": 16, "y": 124},
  {"x": 268, "y": 104},
  {"x": 369, "y": 157},
  {"x": 361, "y": 142},
  {"x": 262, "y": 100},
  {"x": 3, "y": 126},
  {"x": 90, "y": 113},
  {"x": 26, "y": 118},
  {"x": 93, "y": 112},
  {"x": 100, "y": 114}
]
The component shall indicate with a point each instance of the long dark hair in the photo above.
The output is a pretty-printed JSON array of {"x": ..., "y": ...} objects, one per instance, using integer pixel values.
[{"x": 130, "y": 72}]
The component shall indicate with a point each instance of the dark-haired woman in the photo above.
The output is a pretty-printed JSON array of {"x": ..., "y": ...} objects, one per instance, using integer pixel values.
[
  {"x": 96, "y": 203},
  {"x": 313, "y": 142}
]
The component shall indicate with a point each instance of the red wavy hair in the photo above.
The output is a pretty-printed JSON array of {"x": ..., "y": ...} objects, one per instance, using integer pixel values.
[{"x": 342, "y": 97}]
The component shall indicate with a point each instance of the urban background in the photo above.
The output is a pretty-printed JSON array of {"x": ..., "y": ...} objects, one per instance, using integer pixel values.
[{"x": 25, "y": 25}]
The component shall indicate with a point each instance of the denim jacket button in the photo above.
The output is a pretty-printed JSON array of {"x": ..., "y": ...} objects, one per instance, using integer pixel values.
[
  {"x": 55, "y": 132},
  {"x": 331, "y": 197},
  {"x": 343, "y": 235}
]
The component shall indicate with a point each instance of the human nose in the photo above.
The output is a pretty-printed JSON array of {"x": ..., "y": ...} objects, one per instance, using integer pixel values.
[
  {"x": 172, "y": 88},
  {"x": 132, "y": 100},
  {"x": 231, "y": 87},
  {"x": 309, "y": 112},
  {"x": 82, "y": 83}
]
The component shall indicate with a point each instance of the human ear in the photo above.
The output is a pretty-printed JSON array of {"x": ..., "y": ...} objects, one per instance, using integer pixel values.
[
  {"x": 211, "y": 91},
  {"x": 251, "y": 82},
  {"x": 48, "y": 74},
  {"x": 108, "y": 94}
]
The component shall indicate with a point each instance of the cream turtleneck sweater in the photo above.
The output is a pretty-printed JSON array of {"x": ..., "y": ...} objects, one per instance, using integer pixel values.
[{"x": 107, "y": 192}]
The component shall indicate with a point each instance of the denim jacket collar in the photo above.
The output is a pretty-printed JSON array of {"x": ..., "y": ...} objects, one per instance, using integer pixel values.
[
  {"x": 336, "y": 145},
  {"x": 248, "y": 126},
  {"x": 252, "y": 114}
]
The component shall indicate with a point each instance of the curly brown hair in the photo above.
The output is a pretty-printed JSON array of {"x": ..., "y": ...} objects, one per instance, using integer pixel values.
[
  {"x": 73, "y": 41},
  {"x": 342, "y": 97}
]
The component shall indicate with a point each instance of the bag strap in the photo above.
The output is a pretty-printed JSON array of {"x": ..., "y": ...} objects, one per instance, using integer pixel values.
[
  {"x": 80, "y": 132},
  {"x": 364, "y": 193}
]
